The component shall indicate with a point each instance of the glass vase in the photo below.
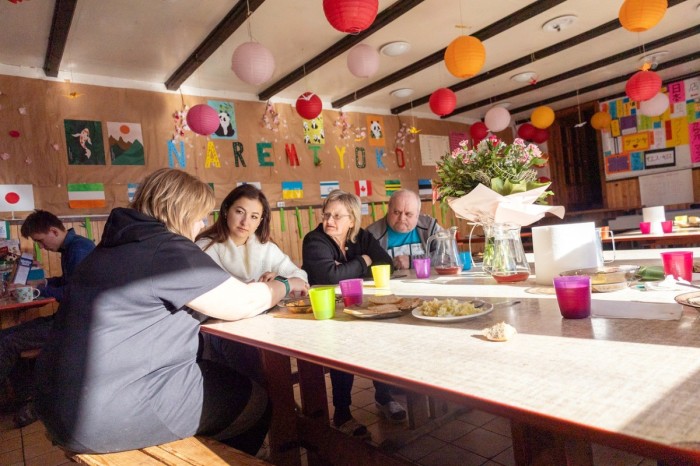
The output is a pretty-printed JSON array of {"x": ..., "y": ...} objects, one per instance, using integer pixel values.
[{"x": 504, "y": 256}]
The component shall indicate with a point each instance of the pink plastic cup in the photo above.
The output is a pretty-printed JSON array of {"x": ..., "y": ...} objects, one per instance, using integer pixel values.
[
  {"x": 351, "y": 289},
  {"x": 573, "y": 296},
  {"x": 679, "y": 264},
  {"x": 667, "y": 226},
  {"x": 645, "y": 227},
  {"x": 422, "y": 267}
]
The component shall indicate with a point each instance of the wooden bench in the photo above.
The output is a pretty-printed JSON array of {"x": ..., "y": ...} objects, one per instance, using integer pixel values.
[{"x": 191, "y": 451}]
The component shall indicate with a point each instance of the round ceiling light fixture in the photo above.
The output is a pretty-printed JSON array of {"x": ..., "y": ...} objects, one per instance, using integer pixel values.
[
  {"x": 654, "y": 58},
  {"x": 402, "y": 92},
  {"x": 525, "y": 77},
  {"x": 394, "y": 49},
  {"x": 559, "y": 23}
]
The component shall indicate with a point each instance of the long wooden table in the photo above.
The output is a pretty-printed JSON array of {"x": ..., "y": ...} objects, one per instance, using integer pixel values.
[
  {"x": 678, "y": 237},
  {"x": 630, "y": 383}
]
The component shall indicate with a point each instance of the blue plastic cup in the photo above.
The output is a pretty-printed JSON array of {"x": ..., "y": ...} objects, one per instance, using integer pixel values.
[{"x": 466, "y": 257}]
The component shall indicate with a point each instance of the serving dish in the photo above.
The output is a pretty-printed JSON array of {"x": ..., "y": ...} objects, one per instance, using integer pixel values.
[
  {"x": 607, "y": 279},
  {"x": 691, "y": 299},
  {"x": 369, "y": 313},
  {"x": 482, "y": 306}
]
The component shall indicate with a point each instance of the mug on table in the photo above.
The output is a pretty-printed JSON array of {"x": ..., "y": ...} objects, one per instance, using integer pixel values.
[{"x": 25, "y": 294}]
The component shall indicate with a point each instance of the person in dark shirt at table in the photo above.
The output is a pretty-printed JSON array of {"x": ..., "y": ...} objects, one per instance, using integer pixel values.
[
  {"x": 50, "y": 234},
  {"x": 336, "y": 250}
]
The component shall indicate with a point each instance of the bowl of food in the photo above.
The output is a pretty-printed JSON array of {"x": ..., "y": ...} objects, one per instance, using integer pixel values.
[{"x": 607, "y": 279}]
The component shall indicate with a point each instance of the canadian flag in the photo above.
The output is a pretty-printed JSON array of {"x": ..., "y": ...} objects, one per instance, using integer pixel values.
[
  {"x": 16, "y": 197},
  {"x": 363, "y": 188}
]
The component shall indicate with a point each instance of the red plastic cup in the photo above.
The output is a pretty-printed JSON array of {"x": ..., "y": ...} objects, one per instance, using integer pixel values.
[
  {"x": 422, "y": 267},
  {"x": 667, "y": 226},
  {"x": 351, "y": 289},
  {"x": 573, "y": 296},
  {"x": 679, "y": 264},
  {"x": 645, "y": 227}
]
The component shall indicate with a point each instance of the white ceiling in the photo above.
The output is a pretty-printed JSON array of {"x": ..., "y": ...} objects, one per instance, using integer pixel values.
[{"x": 139, "y": 44}]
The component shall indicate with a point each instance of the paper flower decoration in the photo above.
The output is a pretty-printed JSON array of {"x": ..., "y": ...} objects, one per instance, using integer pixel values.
[{"x": 270, "y": 118}]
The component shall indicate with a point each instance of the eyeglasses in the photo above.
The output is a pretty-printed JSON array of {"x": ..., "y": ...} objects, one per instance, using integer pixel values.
[{"x": 326, "y": 216}]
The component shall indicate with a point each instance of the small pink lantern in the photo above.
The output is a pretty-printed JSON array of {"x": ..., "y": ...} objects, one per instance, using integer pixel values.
[
  {"x": 497, "y": 119},
  {"x": 541, "y": 135},
  {"x": 443, "y": 101},
  {"x": 202, "y": 119},
  {"x": 309, "y": 105},
  {"x": 350, "y": 16},
  {"x": 363, "y": 61},
  {"x": 655, "y": 106},
  {"x": 253, "y": 63},
  {"x": 478, "y": 131},
  {"x": 526, "y": 131},
  {"x": 643, "y": 85}
]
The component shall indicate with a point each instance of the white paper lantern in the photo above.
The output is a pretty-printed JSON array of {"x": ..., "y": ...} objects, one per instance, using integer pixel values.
[
  {"x": 497, "y": 119},
  {"x": 363, "y": 61},
  {"x": 654, "y": 106},
  {"x": 252, "y": 63}
]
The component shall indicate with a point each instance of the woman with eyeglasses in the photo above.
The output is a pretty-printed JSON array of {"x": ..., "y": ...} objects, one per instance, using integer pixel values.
[{"x": 336, "y": 250}]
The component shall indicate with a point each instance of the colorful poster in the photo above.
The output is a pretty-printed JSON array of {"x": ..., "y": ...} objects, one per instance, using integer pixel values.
[
  {"x": 327, "y": 187},
  {"x": 694, "y": 135},
  {"x": 363, "y": 188},
  {"x": 227, "y": 120},
  {"x": 16, "y": 197},
  {"x": 125, "y": 143},
  {"x": 86, "y": 195},
  {"x": 375, "y": 124},
  {"x": 84, "y": 142},
  {"x": 313, "y": 131},
  {"x": 391, "y": 185},
  {"x": 292, "y": 190}
]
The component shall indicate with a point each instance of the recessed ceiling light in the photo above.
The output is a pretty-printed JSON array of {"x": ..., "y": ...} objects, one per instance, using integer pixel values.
[
  {"x": 525, "y": 77},
  {"x": 503, "y": 104},
  {"x": 559, "y": 23},
  {"x": 402, "y": 92},
  {"x": 654, "y": 57},
  {"x": 394, "y": 49}
]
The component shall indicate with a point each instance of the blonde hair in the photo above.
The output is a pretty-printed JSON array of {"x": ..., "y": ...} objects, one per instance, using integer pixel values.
[
  {"x": 352, "y": 204},
  {"x": 175, "y": 198}
]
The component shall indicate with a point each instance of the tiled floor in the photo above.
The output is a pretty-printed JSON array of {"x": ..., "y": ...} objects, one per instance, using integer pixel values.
[{"x": 472, "y": 437}]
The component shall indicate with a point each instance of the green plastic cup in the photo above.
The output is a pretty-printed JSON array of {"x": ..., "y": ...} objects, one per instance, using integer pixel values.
[{"x": 323, "y": 302}]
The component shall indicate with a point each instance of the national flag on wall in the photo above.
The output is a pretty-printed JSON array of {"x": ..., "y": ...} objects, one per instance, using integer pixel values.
[
  {"x": 16, "y": 197},
  {"x": 327, "y": 187},
  {"x": 425, "y": 187},
  {"x": 292, "y": 190},
  {"x": 391, "y": 185},
  {"x": 86, "y": 195},
  {"x": 363, "y": 188},
  {"x": 131, "y": 191},
  {"x": 254, "y": 183}
]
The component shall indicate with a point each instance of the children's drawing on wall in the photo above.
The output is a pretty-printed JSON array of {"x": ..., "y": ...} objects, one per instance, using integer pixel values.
[
  {"x": 313, "y": 131},
  {"x": 84, "y": 142},
  {"x": 227, "y": 120},
  {"x": 375, "y": 124},
  {"x": 125, "y": 143}
]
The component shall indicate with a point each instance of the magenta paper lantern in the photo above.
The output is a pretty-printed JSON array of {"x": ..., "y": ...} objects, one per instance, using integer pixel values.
[
  {"x": 253, "y": 63},
  {"x": 478, "y": 131},
  {"x": 363, "y": 61},
  {"x": 526, "y": 131},
  {"x": 655, "y": 106},
  {"x": 350, "y": 16},
  {"x": 541, "y": 135},
  {"x": 202, "y": 119},
  {"x": 643, "y": 85},
  {"x": 309, "y": 105},
  {"x": 497, "y": 119},
  {"x": 443, "y": 101}
]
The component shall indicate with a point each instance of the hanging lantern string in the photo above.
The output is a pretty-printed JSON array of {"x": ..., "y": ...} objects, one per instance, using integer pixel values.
[
  {"x": 461, "y": 19},
  {"x": 248, "y": 15}
]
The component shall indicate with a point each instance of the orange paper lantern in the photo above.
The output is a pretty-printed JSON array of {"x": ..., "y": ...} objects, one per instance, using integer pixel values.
[
  {"x": 643, "y": 85},
  {"x": 640, "y": 15},
  {"x": 601, "y": 120},
  {"x": 465, "y": 56},
  {"x": 542, "y": 117}
]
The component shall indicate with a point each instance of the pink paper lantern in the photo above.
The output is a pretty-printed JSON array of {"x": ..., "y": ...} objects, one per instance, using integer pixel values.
[
  {"x": 643, "y": 85},
  {"x": 309, "y": 105},
  {"x": 202, "y": 119},
  {"x": 443, "y": 101},
  {"x": 655, "y": 106},
  {"x": 350, "y": 16},
  {"x": 497, "y": 119},
  {"x": 478, "y": 131},
  {"x": 526, "y": 131},
  {"x": 252, "y": 63},
  {"x": 363, "y": 61},
  {"x": 541, "y": 135}
]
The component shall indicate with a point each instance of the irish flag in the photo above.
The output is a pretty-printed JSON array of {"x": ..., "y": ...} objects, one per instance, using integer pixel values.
[
  {"x": 86, "y": 195},
  {"x": 16, "y": 197}
]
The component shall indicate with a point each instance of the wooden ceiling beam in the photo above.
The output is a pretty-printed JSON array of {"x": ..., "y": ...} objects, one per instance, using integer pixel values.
[
  {"x": 686, "y": 33},
  {"x": 346, "y": 43},
  {"x": 227, "y": 26},
  {"x": 489, "y": 31},
  {"x": 60, "y": 26}
]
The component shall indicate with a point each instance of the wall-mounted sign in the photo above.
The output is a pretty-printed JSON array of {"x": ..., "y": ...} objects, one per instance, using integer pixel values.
[{"x": 660, "y": 158}]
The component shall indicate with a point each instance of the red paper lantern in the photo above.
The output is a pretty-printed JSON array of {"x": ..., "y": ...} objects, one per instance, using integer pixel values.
[
  {"x": 443, "y": 101},
  {"x": 202, "y": 119},
  {"x": 540, "y": 136},
  {"x": 526, "y": 131},
  {"x": 309, "y": 105},
  {"x": 643, "y": 85},
  {"x": 478, "y": 131},
  {"x": 350, "y": 16}
]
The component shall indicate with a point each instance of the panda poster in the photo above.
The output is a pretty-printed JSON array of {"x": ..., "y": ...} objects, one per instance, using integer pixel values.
[
  {"x": 227, "y": 120},
  {"x": 375, "y": 124},
  {"x": 313, "y": 131},
  {"x": 125, "y": 143}
]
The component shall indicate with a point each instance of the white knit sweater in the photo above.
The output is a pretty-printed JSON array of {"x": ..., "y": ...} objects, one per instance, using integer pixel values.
[{"x": 251, "y": 260}]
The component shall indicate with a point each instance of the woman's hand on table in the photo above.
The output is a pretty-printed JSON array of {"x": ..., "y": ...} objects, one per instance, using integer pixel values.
[{"x": 298, "y": 287}]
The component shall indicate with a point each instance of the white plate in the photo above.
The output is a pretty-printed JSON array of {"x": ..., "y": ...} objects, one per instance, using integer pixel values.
[{"x": 483, "y": 310}]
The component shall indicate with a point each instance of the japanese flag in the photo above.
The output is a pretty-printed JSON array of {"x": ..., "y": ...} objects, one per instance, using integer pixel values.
[
  {"x": 363, "y": 188},
  {"x": 16, "y": 197}
]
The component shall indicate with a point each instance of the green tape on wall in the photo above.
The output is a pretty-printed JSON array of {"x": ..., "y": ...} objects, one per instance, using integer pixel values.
[
  {"x": 312, "y": 220},
  {"x": 216, "y": 216},
  {"x": 283, "y": 223},
  {"x": 298, "y": 216},
  {"x": 374, "y": 216},
  {"x": 37, "y": 252},
  {"x": 88, "y": 229},
  {"x": 384, "y": 207}
]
